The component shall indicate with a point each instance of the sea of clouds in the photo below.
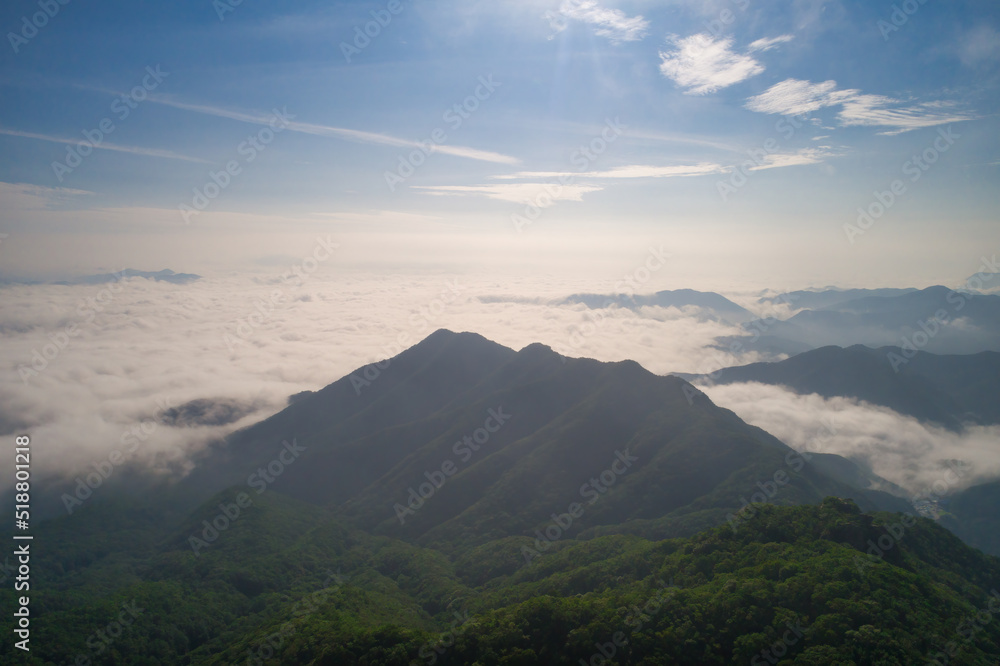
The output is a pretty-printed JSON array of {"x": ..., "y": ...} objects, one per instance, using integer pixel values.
[
  {"x": 87, "y": 370},
  {"x": 90, "y": 370}
]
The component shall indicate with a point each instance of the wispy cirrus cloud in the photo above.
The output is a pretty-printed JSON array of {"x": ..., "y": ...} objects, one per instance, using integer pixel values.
[
  {"x": 521, "y": 193},
  {"x": 876, "y": 111},
  {"x": 629, "y": 171},
  {"x": 104, "y": 145},
  {"x": 702, "y": 64},
  {"x": 800, "y": 158},
  {"x": 768, "y": 43},
  {"x": 545, "y": 194},
  {"x": 794, "y": 96},
  {"x": 359, "y": 136},
  {"x": 611, "y": 23}
]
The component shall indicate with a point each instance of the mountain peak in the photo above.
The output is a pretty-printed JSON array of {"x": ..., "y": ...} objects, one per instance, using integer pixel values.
[{"x": 536, "y": 349}]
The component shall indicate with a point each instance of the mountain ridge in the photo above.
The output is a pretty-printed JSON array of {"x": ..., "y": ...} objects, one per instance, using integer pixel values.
[{"x": 948, "y": 390}]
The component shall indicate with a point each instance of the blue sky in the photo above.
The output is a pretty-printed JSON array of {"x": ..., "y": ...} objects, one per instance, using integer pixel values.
[{"x": 744, "y": 134}]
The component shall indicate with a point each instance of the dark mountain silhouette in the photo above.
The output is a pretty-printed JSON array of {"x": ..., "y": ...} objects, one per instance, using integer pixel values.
[
  {"x": 948, "y": 390},
  {"x": 372, "y": 441},
  {"x": 418, "y": 382}
]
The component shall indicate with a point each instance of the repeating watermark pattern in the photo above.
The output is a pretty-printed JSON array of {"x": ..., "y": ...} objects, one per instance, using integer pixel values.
[
  {"x": 886, "y": 542},
  {"x": 606, "y": 651},
  {"x": 594, "y": 489},
  {"x": 122, "y": 107},
  {"x": 967, "y": 630},
  {"x": 230, "y": 512},
  {"x": 768, "y": 489},
  {"x": 899, "y": 17},
  {"x": 635, "y": 618},
  {"x": 625, "y": 288},
  {"x": 582, "y": 158},
  {"x": 420, "y": 322},
  {"x": 244, "y": 328},
  {"x": 929, "y": 328},
  {"x": 131, "y": 439},
  {"x": 760, "y": 157},
  {"x": 364, "y": 35},
  {"x": 455, "y": 116},
  {"x": 726, "y": 18},
  {"x": 780, "y": 648},
  {"x": 909, "y": 346},
  {"x": 102, "y": 639},
  {"x": 928, "y": 502},
  {"x": 268, "y": 647},
  {"x": 223, "y": 7},
  {"x": 431, "y": 651},
  {"x": 87, "y": 310},
  {"x": 30, "y": 26},
  {"x": 796, "y": 460},
  {"x": 248, "y": 150},
  {"x": 914, "y": 168},
  {"x": 714, "y": 363},
  {"x": 465, "y": 448},
  {"x": 270, "y": 472}
]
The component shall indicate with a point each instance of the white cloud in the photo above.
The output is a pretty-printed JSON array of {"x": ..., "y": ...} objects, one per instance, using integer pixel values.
[
  {"x": 154, "y": 344},
  {"x": 874, "y": 111},
  {"x": 630, "y": 171},
  {"x": 768, "y": 43},
  {"x": 898, "y": 448},
  {"x": 610, "y": 23},
  {"x": 794, "y": 97},
  {"x": 359, "y": 136},
  {"x": 544, "y": 195},
  {"x": 800, "y": 158},
  {"x": 540, "y": 194},
  {"x": 702, "y": 64}
]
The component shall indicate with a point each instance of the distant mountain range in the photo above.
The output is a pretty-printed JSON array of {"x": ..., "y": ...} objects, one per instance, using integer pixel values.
[
  {"x": 947, "y": 390},
  {"x": 936, "y": 319},
  {"x": 814, "y": 300},
  {"x": 709, "y": 304},
  {"x": 160, "y": 276}
]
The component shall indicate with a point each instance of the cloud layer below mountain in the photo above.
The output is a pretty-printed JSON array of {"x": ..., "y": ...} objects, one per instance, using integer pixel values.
[
  {"x": 87, "y": 370},
  {"x": 898, "y": 448}
]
